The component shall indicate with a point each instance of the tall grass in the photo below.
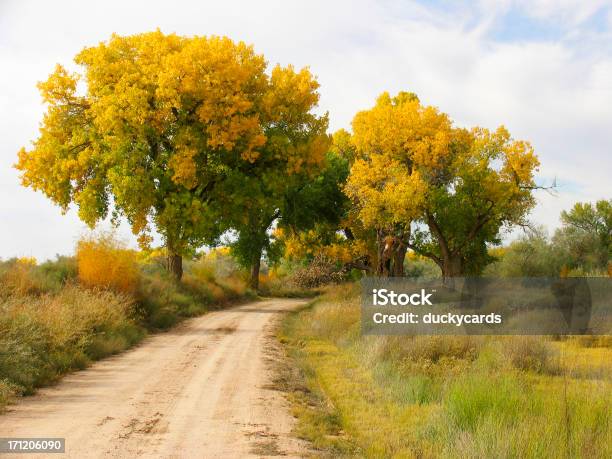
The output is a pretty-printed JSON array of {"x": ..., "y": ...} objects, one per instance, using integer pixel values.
[
  {"x": 42, "y": 337},
  {"x": 449, "y": 396}
]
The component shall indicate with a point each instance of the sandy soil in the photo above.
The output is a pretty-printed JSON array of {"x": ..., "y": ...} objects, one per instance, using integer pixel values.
[{"x": 203, "y": 389}]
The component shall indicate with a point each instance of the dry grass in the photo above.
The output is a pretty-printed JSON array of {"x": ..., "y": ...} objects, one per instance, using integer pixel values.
[{"x": 42, "y": 337}]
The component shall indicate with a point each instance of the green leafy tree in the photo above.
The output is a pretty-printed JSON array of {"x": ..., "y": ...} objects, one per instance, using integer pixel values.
[
  {"x": 296, "y": 203},
  {"x": 585, "y": 239},
  {"x": 531, "y": 255}
]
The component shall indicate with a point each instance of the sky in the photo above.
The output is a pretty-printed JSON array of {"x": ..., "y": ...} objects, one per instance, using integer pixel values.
[{"x": 542, "y": 68}]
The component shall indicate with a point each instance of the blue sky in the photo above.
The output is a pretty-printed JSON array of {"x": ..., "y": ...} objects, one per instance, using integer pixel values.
[{"x": 542, "y": 68}]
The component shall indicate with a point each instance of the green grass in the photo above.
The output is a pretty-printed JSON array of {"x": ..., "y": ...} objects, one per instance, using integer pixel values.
[{"x": 444, "y": 396}]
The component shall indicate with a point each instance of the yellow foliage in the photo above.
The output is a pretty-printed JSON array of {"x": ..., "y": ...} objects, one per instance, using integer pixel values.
[
  {"x": 394, "y": 141},
  {"x": 216, "y": 253},
  {"x": 151, "y": 255},
  {"x": 565, "y": 271},
  {"x": 307, "y": 244},
  {"x": 411, "y": 164},
  {"x": 105, "y": 263},
  {"x": 17, "y": 280},
  {"x": 497, "y": 252},
  {"x": 413, "y": 256},
  {"x": 271, "y": 280},
  {"x": 235, "y": 284},
  {"x": 27, "y": 261},
  {"x": 215, "y": 265},
  {"x": 161, "y": 115}
]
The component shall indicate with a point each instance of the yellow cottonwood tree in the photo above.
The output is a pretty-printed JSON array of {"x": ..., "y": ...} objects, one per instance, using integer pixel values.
[
  {"x": 441, "y": 191},
  {"x": 154, "y": 125}
]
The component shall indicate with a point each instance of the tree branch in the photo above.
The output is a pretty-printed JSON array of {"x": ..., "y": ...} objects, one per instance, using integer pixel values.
[
  {"x": 433, "y": 226},
  {"x": 425, "y": 253},
  {"x": 481, "y": 220}
]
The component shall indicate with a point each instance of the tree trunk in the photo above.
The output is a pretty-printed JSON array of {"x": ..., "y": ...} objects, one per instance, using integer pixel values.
[
  {"x": 399, "y": 255},
  {"x": 391, "y": 254},
  {"x": 255, "y": 267},
  {"x": 380, "y": 249},
  {"x": 175, "y": 265},
  {"x": 452, "y": 266}
]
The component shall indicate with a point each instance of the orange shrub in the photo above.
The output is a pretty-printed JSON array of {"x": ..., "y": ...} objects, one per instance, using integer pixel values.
[{"x": 105, "y": 262}]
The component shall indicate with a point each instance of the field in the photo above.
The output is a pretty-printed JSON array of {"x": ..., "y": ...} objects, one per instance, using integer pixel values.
[{"x": 444, "y": 396}]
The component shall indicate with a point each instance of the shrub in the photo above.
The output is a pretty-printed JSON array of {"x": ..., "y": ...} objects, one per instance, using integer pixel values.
[
  {"x": 435, "y": 348},
  {"x": 50, "y": 325},
  {"x": 320, "y": 271},
  {"x": 42, "y": 337},
  {"x": 60, "y": 271},
  {"x": 531, "y": 354},
  {"x": 236, "y": 285},
  {"x": 21, "y": 276},
  {"x": 416, "y": 267},
  {"x": 204, "y": 270},
  {"x": 18, "y": 278},
  {"x": 7, "y": 392},
  {"x": 216, "y": 264},
  {"x": 105, "y": 262}
]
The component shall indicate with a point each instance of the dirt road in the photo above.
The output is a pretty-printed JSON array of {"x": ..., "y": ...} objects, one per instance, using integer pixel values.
[{"x": 204, "y": 389}]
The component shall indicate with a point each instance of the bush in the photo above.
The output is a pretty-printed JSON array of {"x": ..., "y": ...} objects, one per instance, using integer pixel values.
[
  {"x": 162, "y": 301},
  {"x": 59, "y": 272},
  {"x": 104, "y": 262},
  {"x": 18, "y": 277},
  {"x": 531, "y": 354},
  {"x": 320, "y": 271},
  {"x": 435, "y": 348},
  {"x": 217, "y": 264},
  {"x": 416, "y": 267}
]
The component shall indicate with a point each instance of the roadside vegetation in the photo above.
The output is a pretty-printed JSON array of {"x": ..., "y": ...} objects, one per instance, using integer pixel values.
[
  {"x": 61, "y": 315},
  {"x": 444, "y": 396}
]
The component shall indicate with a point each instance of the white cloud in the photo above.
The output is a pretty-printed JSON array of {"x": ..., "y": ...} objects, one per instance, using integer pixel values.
[{"x": 555, "y": 94}]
